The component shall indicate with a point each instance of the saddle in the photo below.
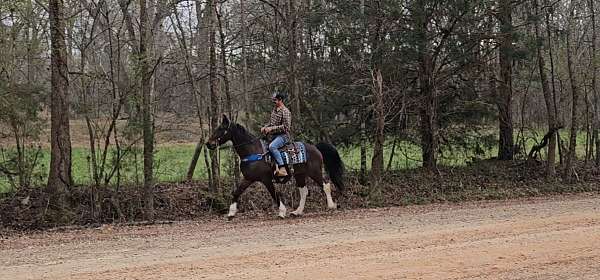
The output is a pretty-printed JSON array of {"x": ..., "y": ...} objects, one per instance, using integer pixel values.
[{"x": 292, "y": 153}]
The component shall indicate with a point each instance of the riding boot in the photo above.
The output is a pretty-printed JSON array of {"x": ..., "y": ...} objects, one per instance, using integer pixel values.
[{"x": 280, "y": 171}]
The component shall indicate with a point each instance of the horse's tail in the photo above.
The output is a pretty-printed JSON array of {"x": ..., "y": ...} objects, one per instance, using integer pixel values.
[{"x": 333, "y": 164}]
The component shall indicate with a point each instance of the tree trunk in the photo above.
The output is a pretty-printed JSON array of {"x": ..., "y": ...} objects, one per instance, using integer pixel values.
[
  {"x": 292, "y": 53},
  {"x": 552, "y": 75},
  {"x": 571, "y": 156},
  {"x": 234, "y": 159},
  {"x": 214, "y": 95},
  {"x": 392, "y": 153},
  {"x": 94, "y": 204},
  {"x": 595, "y": 90},
  {"x": 589, "y": 147},
  {"x": 504, "y": 98},
  {"x": 429, "y": 137},
  {"x": 59, "y": 179},
  {"x": 147, "y": 127},
  {"x": 363, "y": 111},
  {"x": 428, "y": 110},
  {"x": 550, "y": 113},
  {"x": 363, "y": 148},
  {"x": 377, "y": 159},
  {"x": 194, "y": 161},
  {"x": 247, "y": 106}
]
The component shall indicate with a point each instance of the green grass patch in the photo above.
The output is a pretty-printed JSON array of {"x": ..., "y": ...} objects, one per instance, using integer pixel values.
[
  {"x": 170, "y": 165},
  {"x": 171, "y": 161}
]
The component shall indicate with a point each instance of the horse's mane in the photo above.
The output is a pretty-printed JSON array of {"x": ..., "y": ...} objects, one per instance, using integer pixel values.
[{"x": 243, "y": 131}]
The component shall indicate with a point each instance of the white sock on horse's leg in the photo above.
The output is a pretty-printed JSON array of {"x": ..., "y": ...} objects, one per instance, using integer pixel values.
[
  {"x": 282, "y": 210},
  {"x": 232, "y": 209},
  {"x": 327, "y": 189},
  {"x": 303, "y": 194}
]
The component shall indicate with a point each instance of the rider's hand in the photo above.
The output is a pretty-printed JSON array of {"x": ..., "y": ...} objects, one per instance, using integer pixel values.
[{"x": 264, "y": 130}]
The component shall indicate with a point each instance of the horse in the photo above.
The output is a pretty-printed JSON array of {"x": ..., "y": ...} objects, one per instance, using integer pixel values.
[{"x": 247, "y": 146}]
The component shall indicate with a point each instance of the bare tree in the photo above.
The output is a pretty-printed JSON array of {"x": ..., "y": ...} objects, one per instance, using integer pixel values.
[
  {"x": 552, "y": 125},
  {"x": 147, "y": 124},
  {"x": 60, "y": 178},
  {"x": 377, "y": 159},
  {"x": 363, "y": 111},
  {"x": 187, "y": 55},
  {"x": 596, "y": 94},
  {"x": 427, "y": 88},
  {"x": 233, "y": 160},
  {"x": 292, "y": 26},
  {"x": 504, "y": 97},
  {"x": 214, "y": 94},
  {"x": 572, "y": 156}
]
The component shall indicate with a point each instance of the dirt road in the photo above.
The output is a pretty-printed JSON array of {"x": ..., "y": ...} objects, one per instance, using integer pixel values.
[{"x": 546, "y": 238}]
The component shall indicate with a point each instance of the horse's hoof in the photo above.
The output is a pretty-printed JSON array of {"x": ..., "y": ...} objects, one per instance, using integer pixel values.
[
  {"x": 332, "y": 207},
  {"x": 295, "y": 215},
  {"x": 230, "y": 218}
]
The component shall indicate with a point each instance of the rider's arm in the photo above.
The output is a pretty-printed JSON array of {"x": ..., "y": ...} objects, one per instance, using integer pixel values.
[{"x": 284, "y": 122}]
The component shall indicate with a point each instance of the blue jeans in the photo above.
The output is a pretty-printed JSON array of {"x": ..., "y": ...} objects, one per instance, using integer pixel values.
[{"x": 277, "y": 143}]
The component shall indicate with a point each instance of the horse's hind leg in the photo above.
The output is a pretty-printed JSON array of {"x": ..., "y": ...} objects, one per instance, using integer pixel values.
[
  {"x": 244, "y": 184},
  {"x": 301, "y": 184},
  {"x": 318, "y": 178}
]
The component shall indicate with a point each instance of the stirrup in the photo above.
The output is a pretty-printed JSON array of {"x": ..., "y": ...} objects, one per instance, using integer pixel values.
[{"x": 280, "y": 172}]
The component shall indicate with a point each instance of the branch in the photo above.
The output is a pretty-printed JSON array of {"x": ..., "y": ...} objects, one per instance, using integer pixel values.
[
  {"x": 274, "y": 8},
  {"x": 42, "y": 5},
  {"x": 536, "y": 149}
]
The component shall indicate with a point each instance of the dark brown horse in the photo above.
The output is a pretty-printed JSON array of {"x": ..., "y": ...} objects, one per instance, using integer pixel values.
[{"x": 248, "y": 146}]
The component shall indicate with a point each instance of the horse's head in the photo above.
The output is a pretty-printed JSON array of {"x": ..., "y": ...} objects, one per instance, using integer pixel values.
[{"x": 221, "y": 135}]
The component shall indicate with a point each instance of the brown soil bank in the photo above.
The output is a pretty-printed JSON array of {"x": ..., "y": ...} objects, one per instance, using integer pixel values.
[{"x": 484, "y": 180}]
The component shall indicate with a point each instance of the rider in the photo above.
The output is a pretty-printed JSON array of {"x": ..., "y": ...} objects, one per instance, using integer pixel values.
[{"x": 279, "y": 130}]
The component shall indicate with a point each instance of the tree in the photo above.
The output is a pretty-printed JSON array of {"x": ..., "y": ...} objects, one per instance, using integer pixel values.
[
  {"x": 292, "y": 52},
  {"x": 60, "y": 179},
  {"x": 214, "y": 94},
  {"x": 571, "y": 156},
  {"x": 377, "y": 160},
  {"x": 595, "y": 90},
  {"x": 147, "y": 124},
  {"x": 20, "y": 107},
  {"x": 504, "y": 98},
  {"x": 550, "y": 169}
]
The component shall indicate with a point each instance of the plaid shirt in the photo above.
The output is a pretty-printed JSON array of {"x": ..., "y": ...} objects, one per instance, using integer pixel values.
[{"x": 281, "y": 121}]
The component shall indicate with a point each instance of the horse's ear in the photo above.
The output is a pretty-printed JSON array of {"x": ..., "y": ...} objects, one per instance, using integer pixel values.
[{"x": 225, "y": 120}]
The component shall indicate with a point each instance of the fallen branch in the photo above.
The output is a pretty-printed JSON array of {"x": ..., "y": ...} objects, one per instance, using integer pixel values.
[{"x": 535, "y": 150}]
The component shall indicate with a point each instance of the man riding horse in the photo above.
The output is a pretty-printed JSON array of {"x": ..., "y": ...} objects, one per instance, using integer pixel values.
[
  {"x": 308, "y": 160},
  {"x": 278, "y": 131}
]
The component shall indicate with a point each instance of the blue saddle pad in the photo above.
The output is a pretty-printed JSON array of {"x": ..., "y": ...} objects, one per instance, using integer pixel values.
[{"x": 292, "y": 153}]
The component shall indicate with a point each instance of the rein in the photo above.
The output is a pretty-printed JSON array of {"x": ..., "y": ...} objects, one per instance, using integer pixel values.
[
  {"x": 254, "y": 139},
  {"x": 246, "y": 143}
]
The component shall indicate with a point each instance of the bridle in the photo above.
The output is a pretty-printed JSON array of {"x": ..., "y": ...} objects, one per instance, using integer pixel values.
[{"x": 254, "y": 139}]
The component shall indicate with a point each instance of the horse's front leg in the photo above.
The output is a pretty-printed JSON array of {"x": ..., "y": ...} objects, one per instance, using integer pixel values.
[
  {"x": 303, "y": 190},
  {"x": 275, "y": 196},
  {"x": 244, "y": 184}
]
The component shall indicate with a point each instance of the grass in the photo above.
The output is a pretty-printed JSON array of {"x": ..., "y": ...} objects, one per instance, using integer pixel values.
[
  {"x": 170, "y": 165},
  {"x": 171, "y": 161},
  {"x": 408, "y": 155}
]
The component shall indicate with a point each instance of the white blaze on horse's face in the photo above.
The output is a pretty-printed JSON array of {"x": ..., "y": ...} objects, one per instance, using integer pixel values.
[{"x": 327, "y": 190}]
